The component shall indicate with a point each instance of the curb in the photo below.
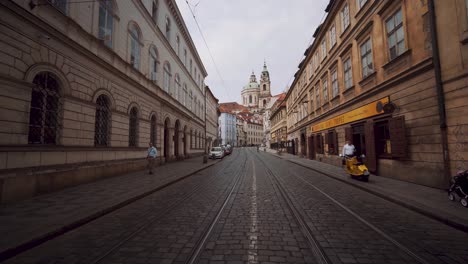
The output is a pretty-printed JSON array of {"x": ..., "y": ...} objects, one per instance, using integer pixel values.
[
  {"x": 460, "y": 225},
  {"x": 34, "y": 242}
]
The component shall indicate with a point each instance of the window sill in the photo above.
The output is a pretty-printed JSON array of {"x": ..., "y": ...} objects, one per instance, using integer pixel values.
[
  {"x": 368, "y": 81},
  {"x": 349, "y": 89},
  {"x": 345, "y": 31},
  {"x": 361, "y": 10},
  {"x": 397, "y": 59}
]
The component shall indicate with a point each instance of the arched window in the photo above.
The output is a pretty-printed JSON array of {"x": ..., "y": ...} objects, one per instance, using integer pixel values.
[
  {"x": 133, "y": 128},
  {"x": 153, "y": 133},
  {"x": 153, "y": 63},
  {"x": 106, "y": 22},
  {"x": 190, "y": 100},
  {"x": 134, "y": 47},
  {"x": 46, "y": 104},
  {"x": 167, "y": 77},
  {"x": 264, "y": 103},
  {"x": 102, "y": 122},
  {"x": 177, "y": 89},
  {"x": 250, "y": 99},
  {"x": 154, "y": 12},
  {"x": 168, "y": 28},
  {"x": 185, "y": 95},
  {"x": 178, "y": 45}
]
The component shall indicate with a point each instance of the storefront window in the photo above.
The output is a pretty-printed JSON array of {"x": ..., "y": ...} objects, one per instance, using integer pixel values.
[{"x": 382, "y": 139}]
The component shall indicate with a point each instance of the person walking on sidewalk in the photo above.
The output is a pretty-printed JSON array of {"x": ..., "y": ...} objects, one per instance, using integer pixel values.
[{"x": 151, "y": 157}]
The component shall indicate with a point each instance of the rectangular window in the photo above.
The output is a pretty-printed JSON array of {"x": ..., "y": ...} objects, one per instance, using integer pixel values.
[
  {"x": 332, "y": 36},
  {"x": 345, "y": 17},
  {"x": 335, "y": 87},
  {"x": 361, "y": 3},
  {"x": 317, "y": 96},
  {"x": 395, "y": 35},
  {"x": 348, "y": 74},
  {"x": 106, "y": 22},
  {"x": 366, "y": 58},
  {"x": 325, "y": 90},
  {"x": 324, "y": 49},
  {"x": 61, "y": 5},
  {"x": 185, "y": 57}
]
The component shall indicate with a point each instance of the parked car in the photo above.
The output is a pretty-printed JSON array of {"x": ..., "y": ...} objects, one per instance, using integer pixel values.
[
  {"x": 228, "y": 149},
  {"x": 216, "y": 153}
]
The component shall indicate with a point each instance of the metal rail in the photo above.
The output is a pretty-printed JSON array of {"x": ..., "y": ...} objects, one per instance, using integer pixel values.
[
  {"x": 299, "y": 216},
  {"x": 163, "y": 212},
  {"x": 195, "y": 255}
]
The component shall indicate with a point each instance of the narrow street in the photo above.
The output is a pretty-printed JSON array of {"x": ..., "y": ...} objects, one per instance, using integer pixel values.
[{"x": 255, "y": 208}]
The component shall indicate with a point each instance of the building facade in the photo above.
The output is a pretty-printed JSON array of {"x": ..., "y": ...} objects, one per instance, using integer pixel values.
[
  {"x": 278, "y": 124},
  {"x": 212, "y": 118},
  {"x": 227, "y": 126},
  {"x": 92, "y": 83},
  {"x": 266, "y": 120},
  {"x": 372, "y": 76},
  {"x": 256, "y": 96}
]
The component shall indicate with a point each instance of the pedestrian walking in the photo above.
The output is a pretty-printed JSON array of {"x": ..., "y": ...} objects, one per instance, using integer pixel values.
[{"x": 151, "y": 157}]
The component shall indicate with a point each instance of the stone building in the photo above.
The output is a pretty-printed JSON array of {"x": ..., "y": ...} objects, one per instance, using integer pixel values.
[
  {"x": 212, "y": 118},
  {"x": 227, "y": 126},
  {"x": 85, "y": 85},
  {"x": 266, "y": 120},
  {"x": 278, "y": 123},
  {"x": 391, "y": 77},
  {"x": 256, "y": 96}
]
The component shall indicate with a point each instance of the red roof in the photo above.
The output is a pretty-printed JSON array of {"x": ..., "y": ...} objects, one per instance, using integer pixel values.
[{"x": 232, "y": 107}]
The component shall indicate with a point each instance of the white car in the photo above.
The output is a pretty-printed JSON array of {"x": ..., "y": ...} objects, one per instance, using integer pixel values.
[{"x": 216, "y": 153}]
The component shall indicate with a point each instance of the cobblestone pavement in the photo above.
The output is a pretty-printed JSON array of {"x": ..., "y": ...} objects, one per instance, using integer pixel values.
[
  {"x": 34, "y": 218},
  {"x": 346, "y": 239},
  {"x": 256, "y": 225}
]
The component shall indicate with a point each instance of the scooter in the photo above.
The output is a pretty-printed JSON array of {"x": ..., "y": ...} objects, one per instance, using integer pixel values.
[{"x": 355, "y": 167}]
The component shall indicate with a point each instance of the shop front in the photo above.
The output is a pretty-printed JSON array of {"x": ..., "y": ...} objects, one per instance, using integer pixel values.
[{"x": 371, "y": 128}]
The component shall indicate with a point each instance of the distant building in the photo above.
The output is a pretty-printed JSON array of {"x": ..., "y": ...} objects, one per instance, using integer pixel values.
[
  {"x": 212, "y": 119},
  {"x": 255, "y": 96},
  {"x": 278, "y": 124},
  {"x": 266, "y": 120},
  {"x": 227, "y": 126}
]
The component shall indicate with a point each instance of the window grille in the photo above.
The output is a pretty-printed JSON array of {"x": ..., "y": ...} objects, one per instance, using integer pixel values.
[
  {"x": 133, "y": 127},
  {"x": 103, "y": 120},
  {"x": 46, "y": 104}
]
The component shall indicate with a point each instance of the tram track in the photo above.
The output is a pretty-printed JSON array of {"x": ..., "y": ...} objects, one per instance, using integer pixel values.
[
  {"x": 172, "y": 206},
  {"x": 25, "y": 248},
  {"x": 198, "y": 249},
  {"x": 302, "y": 219}
]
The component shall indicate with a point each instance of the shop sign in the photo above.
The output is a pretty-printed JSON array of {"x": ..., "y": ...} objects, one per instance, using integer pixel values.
[{"x": 369, "y": 110}]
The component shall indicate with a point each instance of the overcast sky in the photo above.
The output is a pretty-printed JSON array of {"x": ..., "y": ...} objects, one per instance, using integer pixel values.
[{"x": 242, "y": 33}]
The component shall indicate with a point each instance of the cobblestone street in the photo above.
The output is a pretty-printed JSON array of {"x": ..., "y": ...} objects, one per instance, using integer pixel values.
[{"x": 252, "y": 208}]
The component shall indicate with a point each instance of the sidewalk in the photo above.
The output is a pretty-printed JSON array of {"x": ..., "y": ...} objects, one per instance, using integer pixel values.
[
  {"x": 30, "y": 222},
  {"x": 431, "y": 202}
]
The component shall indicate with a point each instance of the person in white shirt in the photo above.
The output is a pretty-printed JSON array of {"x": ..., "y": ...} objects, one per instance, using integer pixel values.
[
  {"x": 348, "y": 149},
  {"x": 151, "y": 157}
]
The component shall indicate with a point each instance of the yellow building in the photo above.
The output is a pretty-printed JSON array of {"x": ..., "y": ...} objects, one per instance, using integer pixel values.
[{"x": 391, "y": 77}]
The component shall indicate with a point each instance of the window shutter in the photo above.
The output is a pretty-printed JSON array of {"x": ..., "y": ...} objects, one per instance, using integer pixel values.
[
  {"x": 349, "y": 134},
  {"x": 371, "y": 157},
  {"x": 398, "y": 136},
  {"x": 337, "y": 147}
]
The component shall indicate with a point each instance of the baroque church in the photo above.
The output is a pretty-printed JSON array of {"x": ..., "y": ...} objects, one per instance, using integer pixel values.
[{"x": 256, "y": 96}]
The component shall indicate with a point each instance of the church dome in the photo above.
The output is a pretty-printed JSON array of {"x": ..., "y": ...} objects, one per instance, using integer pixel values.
[{"x": 253, "y": 84}]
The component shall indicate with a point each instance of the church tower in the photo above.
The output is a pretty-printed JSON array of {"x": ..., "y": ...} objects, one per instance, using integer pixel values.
[{"x": 265, "y": 92}]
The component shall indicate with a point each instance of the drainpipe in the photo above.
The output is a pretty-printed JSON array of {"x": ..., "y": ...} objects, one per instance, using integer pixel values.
[{"x": 439, "y": 89}]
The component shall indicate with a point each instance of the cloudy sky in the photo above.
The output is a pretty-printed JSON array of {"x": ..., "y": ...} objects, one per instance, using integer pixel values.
[{"x": 242, "y": 33}]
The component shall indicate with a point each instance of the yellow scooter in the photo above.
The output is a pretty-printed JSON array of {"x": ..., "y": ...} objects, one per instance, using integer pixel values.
[{"x": 356, "y": 168}]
